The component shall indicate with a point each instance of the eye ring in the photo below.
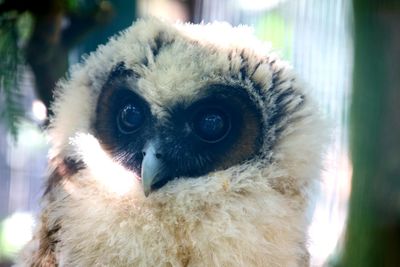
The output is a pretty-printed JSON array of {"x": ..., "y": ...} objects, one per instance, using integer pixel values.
[
  {"x": 211, "y": 124},
  {"x": 130, "y": 118}
]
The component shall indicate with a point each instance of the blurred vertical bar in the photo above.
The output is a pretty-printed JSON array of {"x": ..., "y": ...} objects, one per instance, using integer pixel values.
[
  {"x": 4, "y": 173},
  {"x": 22, "y": 164},
  {"x": 373, "y": 231}
]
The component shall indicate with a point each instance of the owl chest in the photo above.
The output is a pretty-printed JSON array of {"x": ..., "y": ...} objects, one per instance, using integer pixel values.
[{"x": 222, "y": 236}]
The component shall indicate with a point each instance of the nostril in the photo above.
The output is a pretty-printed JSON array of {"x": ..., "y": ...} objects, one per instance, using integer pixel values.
[
  {"x": 143, "y": 153},
  {"x": 158, "y": 155}
]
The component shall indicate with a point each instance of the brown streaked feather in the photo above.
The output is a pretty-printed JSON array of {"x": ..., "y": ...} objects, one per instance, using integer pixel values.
[
  {"x": 63, "y": 169},
  {"x": 44, "y": 256}
]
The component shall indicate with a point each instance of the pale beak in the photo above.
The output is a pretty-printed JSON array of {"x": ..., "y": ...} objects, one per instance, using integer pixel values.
[{"x": 152, "y": 167}]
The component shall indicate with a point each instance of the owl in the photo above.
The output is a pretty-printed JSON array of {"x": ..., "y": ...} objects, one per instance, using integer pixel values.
[{"x": 179, "y": 145}]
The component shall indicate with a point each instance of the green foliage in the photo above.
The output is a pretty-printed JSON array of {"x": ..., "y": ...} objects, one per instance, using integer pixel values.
[
  {"x": 15, "y": 30},
  {"x": 72, "y": 4},
  {"x": 24, "y": 25},
  {"x": 11, "y": 109}
]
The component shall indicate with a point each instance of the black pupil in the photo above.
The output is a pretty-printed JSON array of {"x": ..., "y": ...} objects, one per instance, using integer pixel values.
[
  {"x": 130, "y": 118},
  {"x": 211, "y": 125}
]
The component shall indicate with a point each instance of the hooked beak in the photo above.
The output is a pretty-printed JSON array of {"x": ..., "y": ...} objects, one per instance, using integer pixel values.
[{"x": 152, "y": 167}]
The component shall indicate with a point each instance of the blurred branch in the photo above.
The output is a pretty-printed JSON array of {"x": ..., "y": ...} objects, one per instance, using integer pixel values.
[
  {"x": 53, "y": 37},
  {"x": 373, "y": 230},
  {"x": 48, "y": 49},
  {"x": 57, "y": 26}
]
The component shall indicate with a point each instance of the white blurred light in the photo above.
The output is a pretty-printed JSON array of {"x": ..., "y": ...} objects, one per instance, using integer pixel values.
[
  {"x": 114, "y": 177},
  {"x": 330, "y": 214},
  {"x": 259, "y": 5},
  {"x": 164, "y": 9},
  {"x": 17, "y": 230},
  {"x": 39, "y": 110},
  {"x": 30, "y": 136}
]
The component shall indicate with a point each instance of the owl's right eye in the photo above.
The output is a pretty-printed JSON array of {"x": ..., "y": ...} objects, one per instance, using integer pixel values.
[{"x": 130, "y": 118}]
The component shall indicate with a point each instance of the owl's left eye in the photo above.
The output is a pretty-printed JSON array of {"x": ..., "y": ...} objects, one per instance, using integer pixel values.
[
  {"x": 211, "y": 125},
  {"x": 130, "y": 118}
]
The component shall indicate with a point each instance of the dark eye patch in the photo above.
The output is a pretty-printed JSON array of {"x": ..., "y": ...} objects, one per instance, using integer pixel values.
[
  {"x": 225, "y": 129},
  {"x": 245, "y": 137},
  {"x": 123, "y": 119}
]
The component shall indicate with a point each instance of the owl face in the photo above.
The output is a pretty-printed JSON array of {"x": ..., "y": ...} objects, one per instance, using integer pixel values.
[
  {"x": 215, "y": 129},
  {"x": 166, "y": 103}
]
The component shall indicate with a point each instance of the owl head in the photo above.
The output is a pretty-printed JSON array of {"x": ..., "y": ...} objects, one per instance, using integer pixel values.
[{"x": 183, "y": 144}]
